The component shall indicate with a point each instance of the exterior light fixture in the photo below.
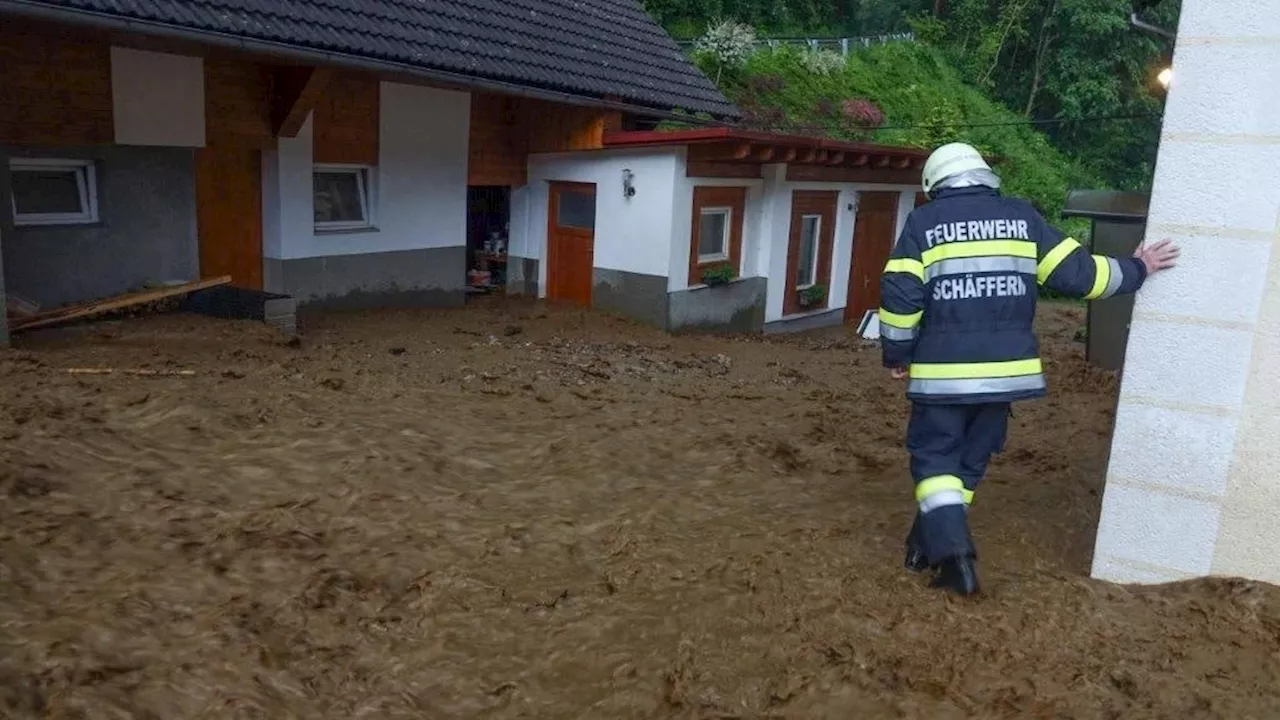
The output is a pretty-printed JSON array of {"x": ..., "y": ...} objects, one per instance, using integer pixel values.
[
  {"x": 1165, "y": 77},
  {"x": 628, "y": 184}
]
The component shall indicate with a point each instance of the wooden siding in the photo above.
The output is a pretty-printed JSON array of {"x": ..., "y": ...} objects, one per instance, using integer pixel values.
[
  {"x": 346, "y": 120},
  {"x": 505, "y": 130},
  {"x": 499, "y": 144},
  {"x": 56, "y": 88},
  {"x": 237, "y": 104}
]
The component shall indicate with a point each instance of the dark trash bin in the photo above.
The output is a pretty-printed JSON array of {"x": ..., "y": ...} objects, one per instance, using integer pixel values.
[{"x": 1119, "y": 220}]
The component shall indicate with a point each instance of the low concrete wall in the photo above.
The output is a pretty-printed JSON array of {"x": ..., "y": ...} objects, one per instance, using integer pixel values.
[
  {"x": 811, "y": 321},
  {"x": 522, "y": 276},
  {"x": 639, "y": 297},
  {"x": 146, "y": 230},
  {"x": 278, "y": 311},
  {"x": 434, "y": 277},
  {"x": 737, "y": 307}
]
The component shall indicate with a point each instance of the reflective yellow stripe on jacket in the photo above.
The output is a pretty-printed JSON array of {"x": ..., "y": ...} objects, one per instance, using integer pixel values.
[
  {"x": 1017, "y": 256},
  {"x": 897, "y": 326}
]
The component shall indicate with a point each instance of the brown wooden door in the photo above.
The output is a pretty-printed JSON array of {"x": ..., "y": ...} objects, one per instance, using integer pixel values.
[
  {"x": 813, "y": 228},
  {"x": 571, "y": 239},
  {"x": 921, "y": 199},
  {"x": 229, "y": 214},
  {"x": 872, "y": 242}
]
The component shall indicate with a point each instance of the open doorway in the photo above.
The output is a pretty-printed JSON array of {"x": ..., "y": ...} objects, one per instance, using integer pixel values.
[{"x": 488, "y": 234}]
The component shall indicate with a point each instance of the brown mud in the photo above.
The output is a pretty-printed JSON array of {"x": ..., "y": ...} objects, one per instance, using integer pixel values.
[{"x": 515, "y": 512}]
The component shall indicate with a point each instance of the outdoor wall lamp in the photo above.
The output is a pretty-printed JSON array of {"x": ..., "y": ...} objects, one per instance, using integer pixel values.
[
  {"x": 1165, "y": 77},
  {"x": 628, "y": 184}
]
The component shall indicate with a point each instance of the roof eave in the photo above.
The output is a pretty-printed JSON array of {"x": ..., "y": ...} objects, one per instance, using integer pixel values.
[
  {"x": 736, "y": 145},
  {"x": 105, "y": 21}
]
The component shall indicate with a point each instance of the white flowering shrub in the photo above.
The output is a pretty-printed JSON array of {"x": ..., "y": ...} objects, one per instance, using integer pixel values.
[
  {"x": 822, "y": 62},
  {"x": 726, "y": 44}
]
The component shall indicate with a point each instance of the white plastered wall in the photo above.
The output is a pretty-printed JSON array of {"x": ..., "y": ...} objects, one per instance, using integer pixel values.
[
  {"x": 776, "y": 216},
  {"x": 1192, "y": 487},
  {"x": 632, "y": 234},
  {"x": 419, "y": 191},
  {"x": 157, "y": 99}
]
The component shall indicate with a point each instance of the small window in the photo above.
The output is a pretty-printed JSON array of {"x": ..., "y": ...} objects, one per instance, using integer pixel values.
[
  {"x": 577, "y": 209},
  {"x": 713, "y": 234},
  {"x": 342, "y": 197},
  {"x": 807, "y": 267},
  {"x": 53, "y": 192}
]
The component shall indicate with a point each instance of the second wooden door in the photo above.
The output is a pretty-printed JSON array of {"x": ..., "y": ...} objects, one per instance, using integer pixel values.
[{"x": 873, "y": 238}]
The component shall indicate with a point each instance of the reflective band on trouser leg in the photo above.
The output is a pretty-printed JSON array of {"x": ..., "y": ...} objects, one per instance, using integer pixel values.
[
  {"x": 1054, "y": 258},
  {"x": 976, "y": 378},
  {"x": 907, "y": 266},
  {"x": 964, "y": 266},
  {"x": 939, "y": 491},
  {"x": 1106, "y": 279}
]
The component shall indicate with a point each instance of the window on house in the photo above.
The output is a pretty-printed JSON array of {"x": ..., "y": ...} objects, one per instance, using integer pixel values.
[
  {"x": 713, "y": 234},
  {"x": 53, "y": 192},
  {"x": 715, "y": 242},
  {"x": 343, "y": 197},
  {"x": 577, "y": 209},
  {"x": 807, "y": 265}
]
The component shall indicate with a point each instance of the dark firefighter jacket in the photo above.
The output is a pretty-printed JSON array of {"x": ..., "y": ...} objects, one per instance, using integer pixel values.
[{"x": 958, "y": 295}]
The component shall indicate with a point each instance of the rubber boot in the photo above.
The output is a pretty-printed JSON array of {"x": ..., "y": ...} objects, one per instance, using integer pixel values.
[
  {"x": 957, "y": 574},
  {"x": 917, "y": 560}
]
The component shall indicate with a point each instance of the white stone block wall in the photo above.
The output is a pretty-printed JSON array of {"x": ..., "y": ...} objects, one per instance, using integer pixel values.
[{"x": 1193, "y": 487}]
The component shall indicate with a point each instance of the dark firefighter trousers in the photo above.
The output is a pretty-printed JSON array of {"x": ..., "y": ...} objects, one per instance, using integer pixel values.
[{"x": 950, "y": 447}]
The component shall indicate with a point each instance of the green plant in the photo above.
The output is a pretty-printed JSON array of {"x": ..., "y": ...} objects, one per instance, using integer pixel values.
[
  {"x": 813, "y": 295},
  {"x": 719, "y": 275}
]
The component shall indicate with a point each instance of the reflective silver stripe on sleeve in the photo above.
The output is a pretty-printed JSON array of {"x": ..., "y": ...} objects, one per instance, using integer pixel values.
[
  {"x": 889, "y": 332},
  {"x": 962, "y": 266},
  {"x": 976, "y": 386},
  {"x": 1117, "y": 277},
  {"x": 942, "y": 499}
]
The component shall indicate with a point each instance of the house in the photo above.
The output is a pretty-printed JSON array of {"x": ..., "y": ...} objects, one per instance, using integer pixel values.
[
  {"x": 323, "y": 152},
  {"x": 804, "y": 223}
]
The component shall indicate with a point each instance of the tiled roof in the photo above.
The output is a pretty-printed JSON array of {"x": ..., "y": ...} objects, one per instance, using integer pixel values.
[{"x": 587, "y": 48}]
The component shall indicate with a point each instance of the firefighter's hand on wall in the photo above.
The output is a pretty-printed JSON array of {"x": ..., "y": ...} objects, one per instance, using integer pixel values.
[
  {"x": 1161, "y": 256},
  {"x": 898, "y": 373}
]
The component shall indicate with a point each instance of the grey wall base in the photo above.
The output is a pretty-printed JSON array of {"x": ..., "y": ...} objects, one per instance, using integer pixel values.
[
  {"x": 146, "y": 229},
  {"x": 639, "y": 297},
  {"x": 737, "y": 307},
  {"x": 434, "y": 277},
  {"x": 808, "y": 321},
  {"x": 522, "y": 276}
]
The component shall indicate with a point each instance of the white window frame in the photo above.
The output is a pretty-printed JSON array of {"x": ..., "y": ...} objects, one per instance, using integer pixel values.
[
  {"x": 726, "y": 239},
  {"x": 86, "y": 179},
  {"x": 365, "y": 184},
  {"x": 817, "y": 248}
]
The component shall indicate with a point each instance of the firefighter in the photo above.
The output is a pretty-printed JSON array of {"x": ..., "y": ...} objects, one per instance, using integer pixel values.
[{"x": 958, "y": 300}]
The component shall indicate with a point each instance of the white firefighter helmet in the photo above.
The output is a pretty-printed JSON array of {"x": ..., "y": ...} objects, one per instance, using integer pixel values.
[{"x": 949, "y": 160}]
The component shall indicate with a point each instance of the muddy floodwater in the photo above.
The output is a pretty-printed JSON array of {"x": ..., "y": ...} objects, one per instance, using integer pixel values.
[{"x": 510, "y": 511}]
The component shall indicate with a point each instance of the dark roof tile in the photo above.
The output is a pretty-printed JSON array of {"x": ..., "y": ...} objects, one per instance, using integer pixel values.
[{"x": 589, "y": 48}]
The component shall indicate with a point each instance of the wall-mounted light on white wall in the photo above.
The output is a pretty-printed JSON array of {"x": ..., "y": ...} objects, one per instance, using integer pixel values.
[
  {"x": 1165, "y": 77},
  {"x": 628, "y": 184}
]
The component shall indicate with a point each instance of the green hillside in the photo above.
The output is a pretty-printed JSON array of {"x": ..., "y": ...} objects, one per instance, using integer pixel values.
[{"x": 900, "y": 94}]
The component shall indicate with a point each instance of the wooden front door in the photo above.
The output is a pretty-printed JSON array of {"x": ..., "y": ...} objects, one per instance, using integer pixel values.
[
  {"x": 229, "y": 214},
  {"x": 873, "y": 238},
  {"x": 571, "y": 238},
  {"x": 813, "y": 230}
]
